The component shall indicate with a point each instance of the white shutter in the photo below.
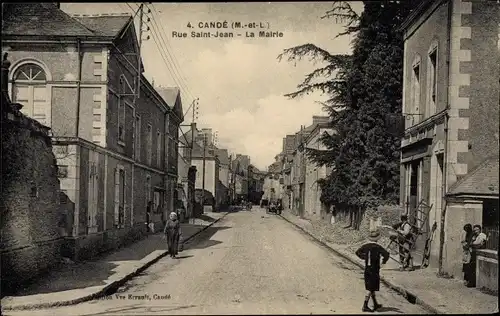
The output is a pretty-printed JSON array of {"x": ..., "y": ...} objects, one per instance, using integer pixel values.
[
  {"x": 90, "y": 191},
  {"x": 96, "y": 190},
  {"x": 117, "y": 195}
]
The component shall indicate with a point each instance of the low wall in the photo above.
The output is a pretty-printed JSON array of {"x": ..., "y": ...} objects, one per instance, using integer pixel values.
[
  {"x": 29, "y": 201},
  {"x": 487, "y": 270}
]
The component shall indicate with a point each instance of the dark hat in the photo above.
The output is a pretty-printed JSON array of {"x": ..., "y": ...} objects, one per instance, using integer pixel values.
[{"x": 374, "y": 235}]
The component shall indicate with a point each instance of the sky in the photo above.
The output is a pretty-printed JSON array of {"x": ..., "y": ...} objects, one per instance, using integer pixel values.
[{"x": 239, "y": 81}]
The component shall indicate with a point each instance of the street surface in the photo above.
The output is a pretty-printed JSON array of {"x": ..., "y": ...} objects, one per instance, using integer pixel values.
[{"x": 247, "y": 263}]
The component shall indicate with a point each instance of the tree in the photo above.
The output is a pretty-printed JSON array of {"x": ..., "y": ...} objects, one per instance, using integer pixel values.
[{"x": 364, "y": 92}]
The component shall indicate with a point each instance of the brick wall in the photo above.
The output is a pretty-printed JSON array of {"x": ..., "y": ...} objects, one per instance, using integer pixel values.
[{"x": 31, "y": 217}]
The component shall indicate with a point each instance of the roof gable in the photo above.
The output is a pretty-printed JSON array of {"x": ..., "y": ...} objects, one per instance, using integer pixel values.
[
  {"x": 106, "y": 24},
  {"x": 223, "y": 156},
  {"x": 172, "y": 96}
]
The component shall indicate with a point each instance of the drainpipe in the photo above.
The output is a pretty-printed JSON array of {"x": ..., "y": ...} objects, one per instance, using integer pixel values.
[
  {"x": 78, "y": 87},
  {"x": 445, "y": 154}
]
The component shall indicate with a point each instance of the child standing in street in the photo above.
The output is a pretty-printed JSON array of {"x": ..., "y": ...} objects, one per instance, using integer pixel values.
[{"x": 372, "y": 252}]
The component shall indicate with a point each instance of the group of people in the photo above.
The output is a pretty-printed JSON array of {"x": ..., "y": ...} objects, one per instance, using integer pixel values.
[{"x": 473, "y": 238}]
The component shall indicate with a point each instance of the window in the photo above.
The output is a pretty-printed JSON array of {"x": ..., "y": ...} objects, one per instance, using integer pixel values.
[
  {"x": 148, "y": 189},
  {"x": 167, "y": 149},
  {"x": 93, "y": 192},
  {"x": 119, "y": 197},
  {"x": 29, "y": 88},
  {"x": 137, "y": 138},
  {"x": 157, "y": 202},
  {"x": 432, "y": 90},
  {"x": 121, "y": 112},
  {"x": 158, "y": 148},
  {"x": 416, "y": 92},
  {"x": 149, "y": 143}
]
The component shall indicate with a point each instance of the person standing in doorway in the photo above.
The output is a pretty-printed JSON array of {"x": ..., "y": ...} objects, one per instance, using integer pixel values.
[
  {"x": 478, "y": 242},
  {"x": 372, "y": 253}
]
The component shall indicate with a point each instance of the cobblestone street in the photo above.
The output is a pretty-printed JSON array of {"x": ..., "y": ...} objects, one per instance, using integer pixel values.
[{"x": 250, "y": 263}]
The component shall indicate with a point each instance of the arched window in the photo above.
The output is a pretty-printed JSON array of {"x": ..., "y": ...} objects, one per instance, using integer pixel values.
[{"x": 29, "y": 88}]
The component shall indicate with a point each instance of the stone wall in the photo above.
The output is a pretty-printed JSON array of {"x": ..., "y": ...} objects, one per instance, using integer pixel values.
[{"x": 32, "y": 222}]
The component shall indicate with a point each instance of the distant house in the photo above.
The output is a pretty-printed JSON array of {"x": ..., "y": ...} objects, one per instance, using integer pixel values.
[
  {"x": 313, "y": 173},
  {"x": 298, "y": 166},
  {"x": 449, "y": 158},
  {"x": 223, "y": 186}
]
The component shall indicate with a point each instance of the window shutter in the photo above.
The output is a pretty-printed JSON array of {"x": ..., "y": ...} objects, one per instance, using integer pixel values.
[
  {"x": 117, "y": 195},
  {"x": 125, "y": 205}
]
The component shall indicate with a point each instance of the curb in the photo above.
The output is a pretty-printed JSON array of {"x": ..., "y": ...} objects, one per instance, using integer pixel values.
[
  {"x": 110, "y": 287},
  {"x": 404, "y": 292}
]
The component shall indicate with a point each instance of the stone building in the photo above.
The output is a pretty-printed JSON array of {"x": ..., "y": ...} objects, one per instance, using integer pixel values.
[
  {"x": 313, "y": 206},
  {"x": 451, "y": 109},
  {"x": 113, "y": 133},
  {"x": 298, "y": 166}
]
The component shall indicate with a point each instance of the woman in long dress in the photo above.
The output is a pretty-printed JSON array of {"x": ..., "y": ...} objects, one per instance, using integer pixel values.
[{"x": 173, "y": 233}]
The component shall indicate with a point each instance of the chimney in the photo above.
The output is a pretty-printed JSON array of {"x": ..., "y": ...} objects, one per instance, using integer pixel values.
[
  {"x": 58, "y": 4},
  {"x": 320, "y": 119}
]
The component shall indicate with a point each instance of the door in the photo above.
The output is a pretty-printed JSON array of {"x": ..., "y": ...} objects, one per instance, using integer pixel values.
[
  {"x": 93, "y": 187},
  {"x": 301, "y": 199}
]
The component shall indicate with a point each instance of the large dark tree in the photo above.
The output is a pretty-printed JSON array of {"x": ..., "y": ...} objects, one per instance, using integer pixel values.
[{"x": 364, "y": 92}]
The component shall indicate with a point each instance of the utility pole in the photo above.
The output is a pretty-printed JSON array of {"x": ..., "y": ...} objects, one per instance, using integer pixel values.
[
  {"x": 204, "y": 158},
  {"x": 195, "y": 109},
  {"x": 141, "y": 14}
]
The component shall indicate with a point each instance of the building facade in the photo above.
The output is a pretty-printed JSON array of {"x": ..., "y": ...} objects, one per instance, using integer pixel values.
[
  {"x": 451, "y": 108},
  {"x": 186, "y": 171},
  {"x": 298, "y": 165},
  {"x": 314, "y": 209},
  {"x": 111, "y": 131},
  {"x": 223, "y": 156},
  {"x": 208, "y": 166}
]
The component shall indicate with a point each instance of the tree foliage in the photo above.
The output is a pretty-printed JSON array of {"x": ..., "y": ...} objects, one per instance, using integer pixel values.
[{"x": 364, "y": 90}]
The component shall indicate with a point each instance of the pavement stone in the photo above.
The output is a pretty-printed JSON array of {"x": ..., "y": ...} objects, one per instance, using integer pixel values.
[
  {"x": 438, "y": 295},
  {"x": 78, "y": 282}
]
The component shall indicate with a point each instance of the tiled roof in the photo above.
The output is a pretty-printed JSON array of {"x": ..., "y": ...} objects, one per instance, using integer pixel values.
[
  {"x": 41, "y": 19},
  {"x": 482, "y": 181},
  {"x": 223, "y": 156},
  {"x": 169, "y": 95},
  {"x": 46, "y": 19},
  {"x": 104, "y": 24}
]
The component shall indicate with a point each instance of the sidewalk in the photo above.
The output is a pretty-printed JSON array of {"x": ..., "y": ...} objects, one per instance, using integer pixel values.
[
  {"x": 438, "y": 295},
  {"x": 74, "y": 283}
]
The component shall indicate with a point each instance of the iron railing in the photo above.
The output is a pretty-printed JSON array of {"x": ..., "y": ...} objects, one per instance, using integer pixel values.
[{"x": 492, "y": 234}]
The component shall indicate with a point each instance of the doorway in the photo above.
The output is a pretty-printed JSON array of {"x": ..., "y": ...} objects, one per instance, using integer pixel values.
[{"x": 412, "y": 202}]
